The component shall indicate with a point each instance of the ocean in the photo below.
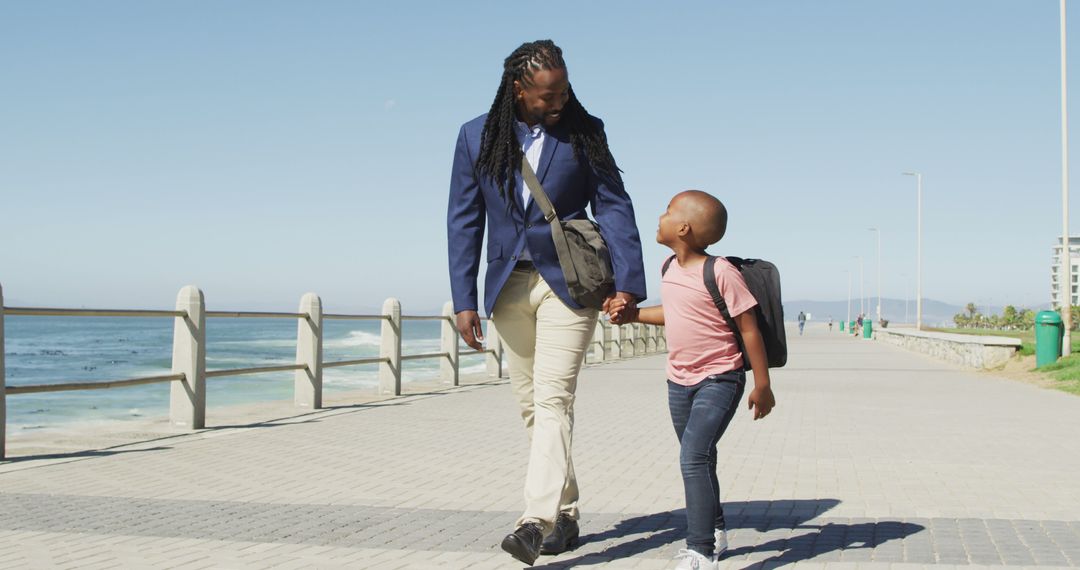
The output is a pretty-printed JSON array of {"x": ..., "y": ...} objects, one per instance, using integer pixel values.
[{"x": 54, "y": 350}]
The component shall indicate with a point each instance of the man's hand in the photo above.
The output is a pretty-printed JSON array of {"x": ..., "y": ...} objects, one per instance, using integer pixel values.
[
  {"x": 761, "y": 401},
  {"x": 628, "y": 302},
  {"x": 472, "y": 332},
  {"x": 621, "y": 312}
]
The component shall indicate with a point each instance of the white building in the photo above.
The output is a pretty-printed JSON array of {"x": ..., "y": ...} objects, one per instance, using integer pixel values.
[{"x": 1055, "y": 271}]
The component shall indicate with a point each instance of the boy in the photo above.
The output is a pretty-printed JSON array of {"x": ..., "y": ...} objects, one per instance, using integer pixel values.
[{"x": 705, "y": 369}]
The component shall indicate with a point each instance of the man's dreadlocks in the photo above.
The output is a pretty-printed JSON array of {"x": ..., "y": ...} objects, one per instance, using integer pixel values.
[{"x": 500, "y": 149}]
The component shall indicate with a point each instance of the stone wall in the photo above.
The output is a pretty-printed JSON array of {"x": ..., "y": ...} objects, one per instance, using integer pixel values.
[{"x": 967, "y": 350}]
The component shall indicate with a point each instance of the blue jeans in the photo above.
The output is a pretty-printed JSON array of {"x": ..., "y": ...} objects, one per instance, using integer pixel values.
[{"x": 700, "y": 414}]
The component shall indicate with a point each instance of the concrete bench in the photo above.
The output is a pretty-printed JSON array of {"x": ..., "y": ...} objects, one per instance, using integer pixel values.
[{"x": 976, "y": 351}]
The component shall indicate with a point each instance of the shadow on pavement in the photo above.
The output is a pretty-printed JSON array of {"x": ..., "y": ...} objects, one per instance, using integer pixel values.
[
  {"x": 828, "y": 538},
  {"x": 78, "y": 454},
  {"x": 659, "y": 530}
]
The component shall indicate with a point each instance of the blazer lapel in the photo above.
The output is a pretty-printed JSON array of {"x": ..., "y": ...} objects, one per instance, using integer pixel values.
[
  {"x": 551, "y": 141},
  {"x": 520, "y": 207}
]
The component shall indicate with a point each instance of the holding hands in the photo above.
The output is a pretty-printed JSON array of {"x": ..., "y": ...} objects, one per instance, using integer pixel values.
[{"x": 621, "y": 308}]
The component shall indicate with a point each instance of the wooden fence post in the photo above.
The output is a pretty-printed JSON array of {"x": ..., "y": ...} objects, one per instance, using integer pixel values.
[
  {"x": 390, "y": 369},
  {"x": 609, "y": 353},
  {"x": 495, "y": 357},
  {"x": 187, "y": 399},
  {"x": 3, "y": 383},
  {"x": 308, "y": 383},
  {"x": 597, "y": 348},
  {"x": 626, "y": 338},
  {"x": 450, "y": 367}
]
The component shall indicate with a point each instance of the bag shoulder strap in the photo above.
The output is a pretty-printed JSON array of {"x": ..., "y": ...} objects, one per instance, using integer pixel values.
[
  {"x": 558, "y": 236},
  {"x": 537, "y": 191},
  {"x": 709, "y": 272},
  {"x": 667, "y": 264}
]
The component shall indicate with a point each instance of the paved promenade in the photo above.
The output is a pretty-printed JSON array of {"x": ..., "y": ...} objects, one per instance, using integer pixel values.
[{"x": 874, "y": 458}]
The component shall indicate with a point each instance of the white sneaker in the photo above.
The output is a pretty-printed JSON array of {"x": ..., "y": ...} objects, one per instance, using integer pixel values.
[
  {"x": 692, "y": 560},
  {"x": 720, "y": 536}
]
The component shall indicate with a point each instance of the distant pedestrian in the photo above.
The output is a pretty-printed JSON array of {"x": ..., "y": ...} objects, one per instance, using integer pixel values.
[
  {"x": 830, "y": 324},
  {"x": 706, "y": 370},
  {"x": 802, "y": 322}
]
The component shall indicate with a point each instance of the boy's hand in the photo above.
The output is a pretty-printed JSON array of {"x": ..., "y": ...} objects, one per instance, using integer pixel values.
[
  {"x": 620, "y": 311},
  {"x": 761, "y": 401},
  {"x": 612, "y": 305},
  {"x": 621, "y": 296}
]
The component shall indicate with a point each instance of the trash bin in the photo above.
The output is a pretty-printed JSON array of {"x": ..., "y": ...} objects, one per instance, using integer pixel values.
[
  {"x": 851, "y": 327},
  {"x": 867, "y": 328},
  {"x": 841, "y": 326},
  {"x": 1048, "y": 334}
]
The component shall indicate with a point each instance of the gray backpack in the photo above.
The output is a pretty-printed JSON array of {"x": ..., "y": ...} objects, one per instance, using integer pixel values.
[{"x": 583, "y": 255}]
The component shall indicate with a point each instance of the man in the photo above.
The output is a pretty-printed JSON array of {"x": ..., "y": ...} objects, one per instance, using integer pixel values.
[
  {"x": 802, "y": 322},
  {"x": 545, "y": 332}
]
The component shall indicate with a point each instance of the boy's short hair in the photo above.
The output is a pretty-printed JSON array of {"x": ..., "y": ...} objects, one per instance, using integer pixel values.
[{"x": 708, "y": 215}]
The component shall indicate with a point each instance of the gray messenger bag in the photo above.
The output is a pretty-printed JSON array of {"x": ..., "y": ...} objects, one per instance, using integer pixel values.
[{"x": 583, "y": 255}]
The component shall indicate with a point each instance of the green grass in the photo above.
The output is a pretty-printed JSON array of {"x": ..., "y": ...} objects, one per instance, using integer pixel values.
[{"x": 1065, "y": 372}]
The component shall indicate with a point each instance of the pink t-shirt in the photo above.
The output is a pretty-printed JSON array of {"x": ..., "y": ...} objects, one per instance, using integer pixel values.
[{"x": 699, "y": 341}]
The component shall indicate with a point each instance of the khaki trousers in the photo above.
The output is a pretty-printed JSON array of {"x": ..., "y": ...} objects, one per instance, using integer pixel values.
[{"x": 545, "y": 343}]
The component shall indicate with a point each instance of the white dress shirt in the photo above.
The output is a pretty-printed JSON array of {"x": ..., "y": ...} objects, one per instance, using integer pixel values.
[{"x": 532, "y": 146}]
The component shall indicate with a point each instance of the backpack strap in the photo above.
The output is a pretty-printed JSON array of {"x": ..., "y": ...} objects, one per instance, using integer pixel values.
[
  {"x": 709, "y": 272},
  {"x": 667, "y": 264}
]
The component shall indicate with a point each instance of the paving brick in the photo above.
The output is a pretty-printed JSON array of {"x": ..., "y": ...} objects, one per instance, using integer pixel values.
[{"x": 435, "y": 481}]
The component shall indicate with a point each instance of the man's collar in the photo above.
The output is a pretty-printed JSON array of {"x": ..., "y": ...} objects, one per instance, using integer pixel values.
[{"x": 532, "y": 132}]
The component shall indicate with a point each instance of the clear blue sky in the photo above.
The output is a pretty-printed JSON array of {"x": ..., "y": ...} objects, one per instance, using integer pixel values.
[{"x": 264, "y": 149}]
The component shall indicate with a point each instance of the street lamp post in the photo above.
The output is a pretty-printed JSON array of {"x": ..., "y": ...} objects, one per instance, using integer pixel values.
[
  {"x": 918, "y": 248},
  {"x": 848, "y": 297},
  {"x": 878, "y": 232},
  {"x": 904, "y": 279},
  {"x": 1065, "y": 280},
  {"x": 862, "y": 288}
]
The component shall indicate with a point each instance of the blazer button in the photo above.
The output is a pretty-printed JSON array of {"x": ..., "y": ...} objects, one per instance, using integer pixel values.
[
  {"x": 513, "y": 258},
  {"x": 528, "y": 226}
]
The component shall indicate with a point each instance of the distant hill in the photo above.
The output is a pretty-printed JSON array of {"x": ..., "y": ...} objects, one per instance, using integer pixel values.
[{"x": 935, "y": 313}]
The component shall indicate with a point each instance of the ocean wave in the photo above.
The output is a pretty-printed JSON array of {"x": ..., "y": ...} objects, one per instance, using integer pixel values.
[
  {"x": 266, "y": 342},
  {"x": 474, "y": 369},
  {"x": 355, "y": 338},
  {"x": 337, "y": 378},
  {"x": 245, "y": 361},
  {"x": 421, "y": 345}
]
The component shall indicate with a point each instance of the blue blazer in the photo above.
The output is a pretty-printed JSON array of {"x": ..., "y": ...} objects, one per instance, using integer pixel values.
[{"x": 571, "y": 186}]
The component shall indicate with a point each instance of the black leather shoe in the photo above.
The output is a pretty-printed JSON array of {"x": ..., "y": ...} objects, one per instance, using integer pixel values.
[
  {"x": 563, "y": 538},
  {"x": 524, "y": 543}
]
